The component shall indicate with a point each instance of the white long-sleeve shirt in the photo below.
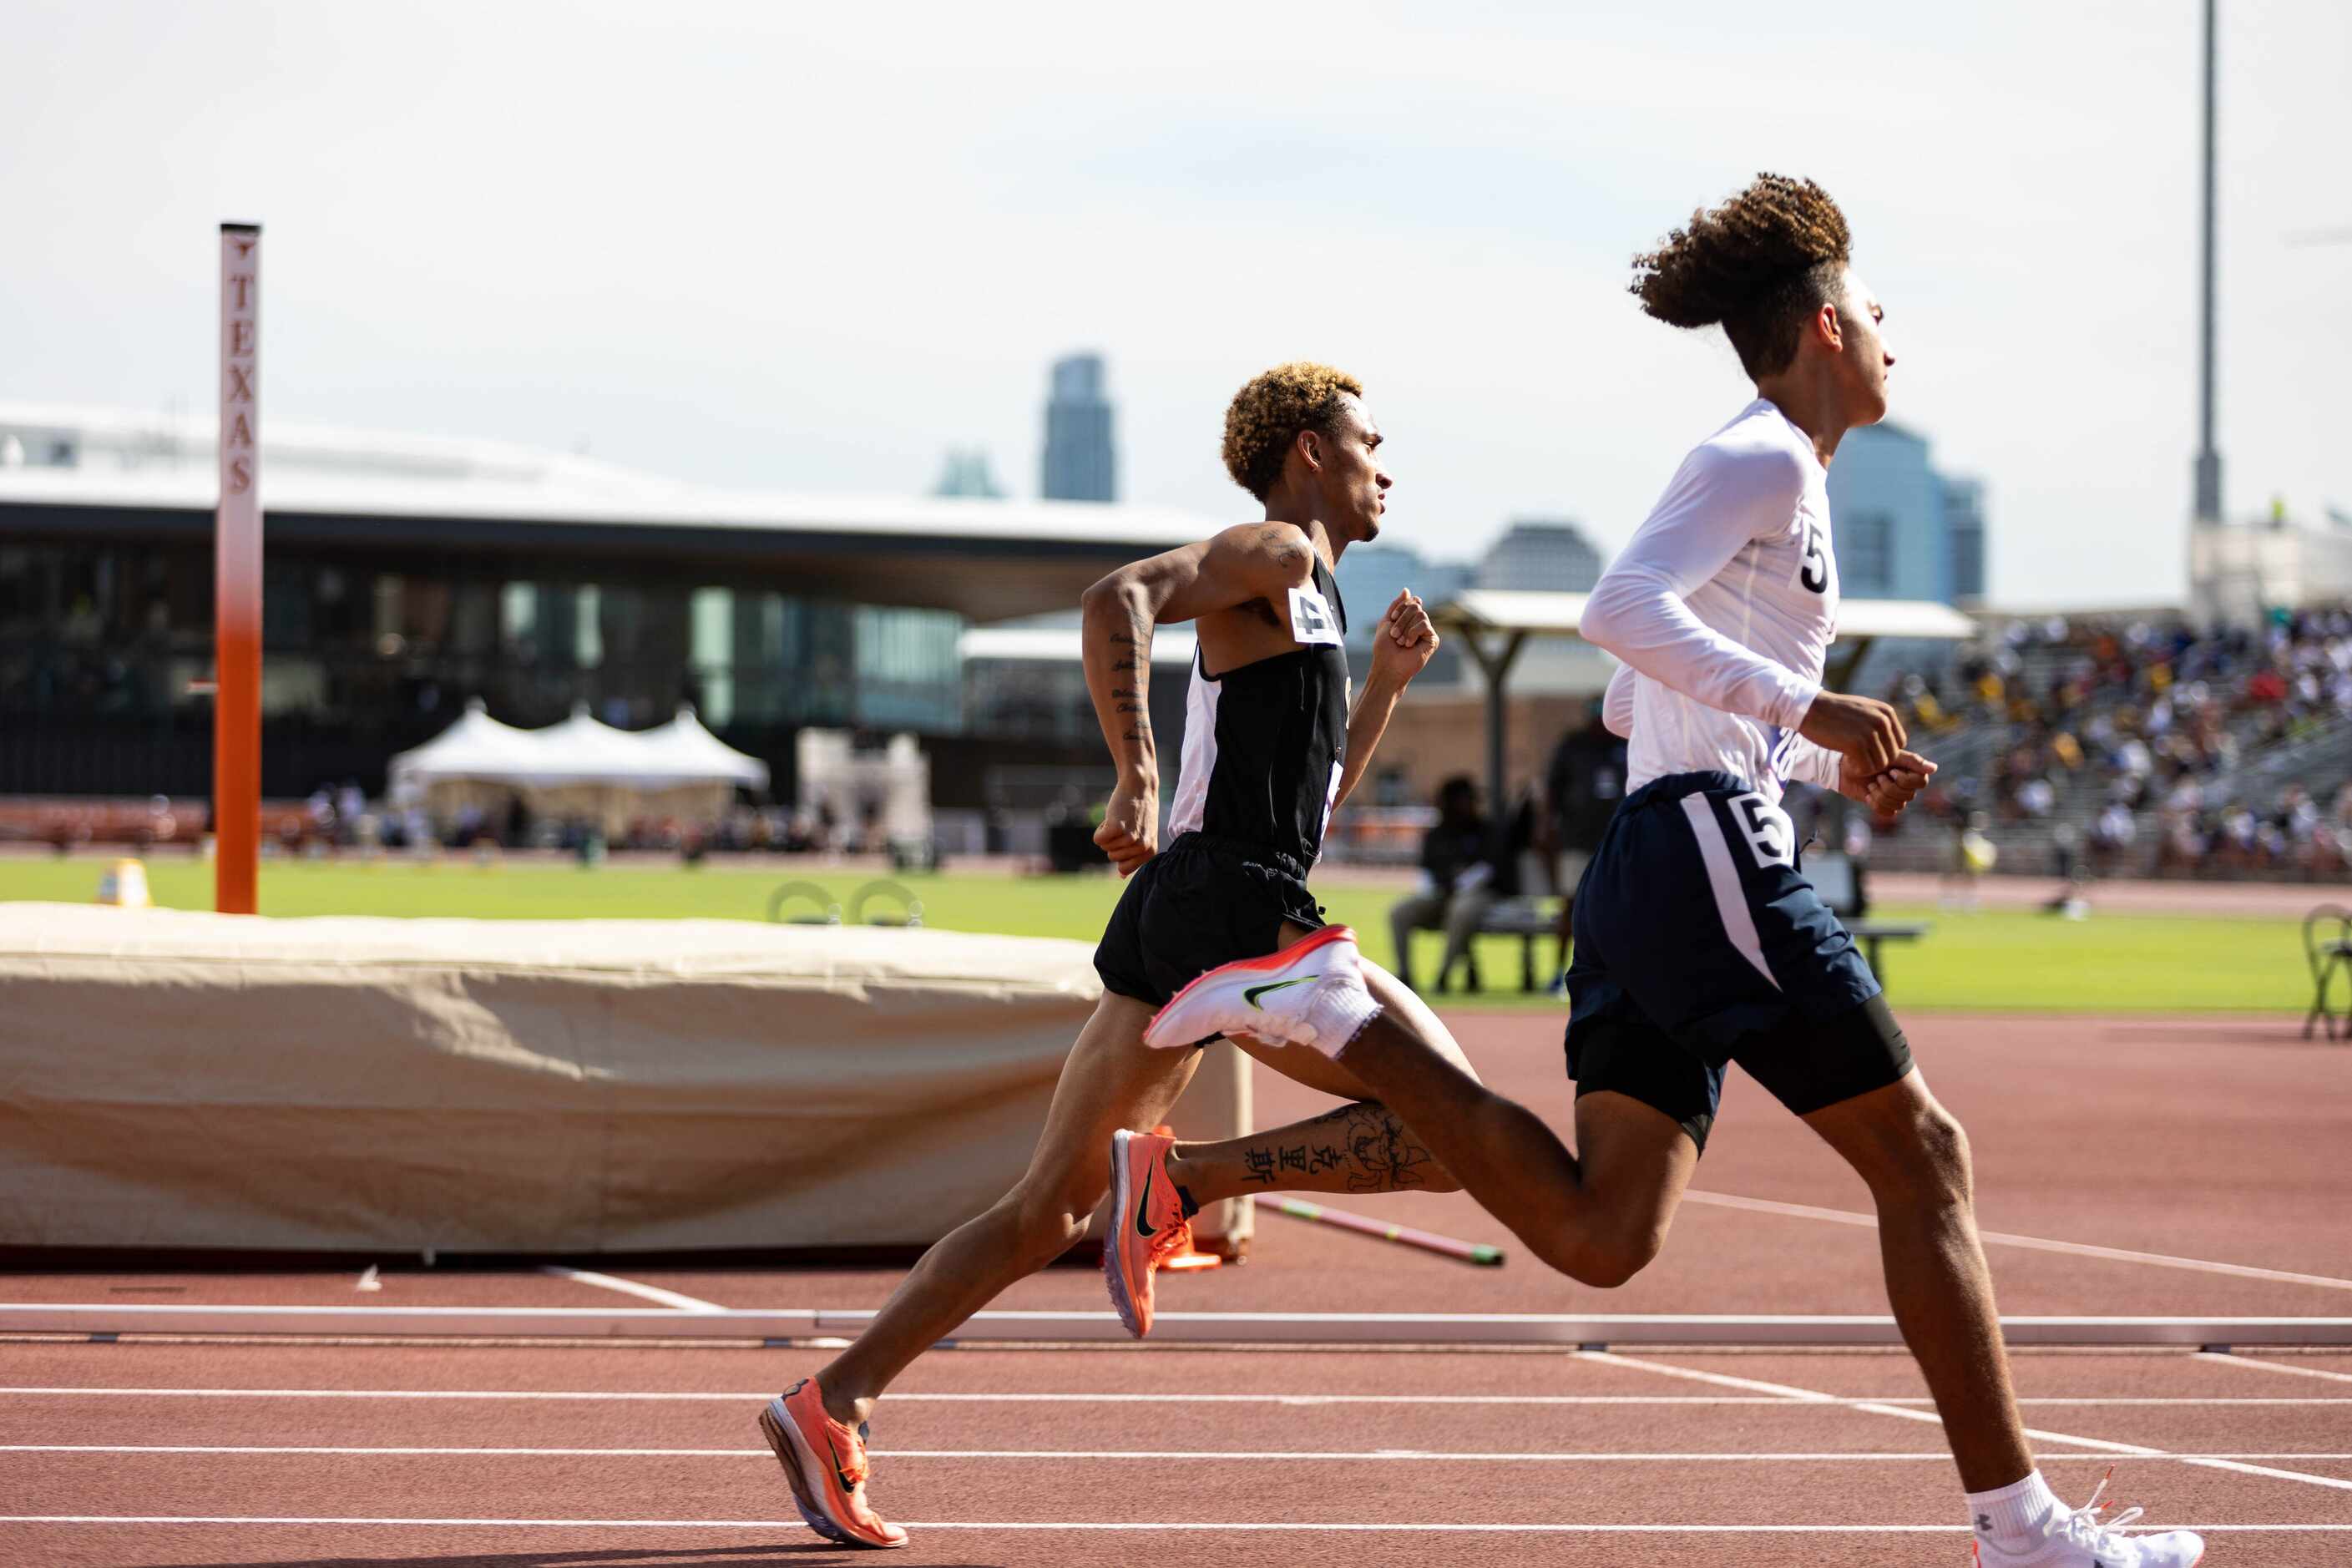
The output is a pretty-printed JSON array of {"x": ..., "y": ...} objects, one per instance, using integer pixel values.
[{"x": 1723, "y": 606}]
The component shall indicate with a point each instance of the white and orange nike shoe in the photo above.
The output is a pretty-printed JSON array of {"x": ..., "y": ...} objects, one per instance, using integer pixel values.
[
  {"x": 1147, "y": 1224},
  {"x": 1309, "y": 993},
  {"x": 825, "y": 1462},
  {"x": 2078, "y": 1538}
]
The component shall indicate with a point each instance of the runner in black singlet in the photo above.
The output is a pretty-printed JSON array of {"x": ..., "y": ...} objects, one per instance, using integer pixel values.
[
  {"x": 1273, "y": 740},
  {"x": 1266, "y": 746}
]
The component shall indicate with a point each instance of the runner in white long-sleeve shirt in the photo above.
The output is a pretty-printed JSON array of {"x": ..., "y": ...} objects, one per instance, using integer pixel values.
[{"x": 1698, "y": 941}]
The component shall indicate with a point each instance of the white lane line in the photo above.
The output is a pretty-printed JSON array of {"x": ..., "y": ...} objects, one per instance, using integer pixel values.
[
  {"x": 1283, "y": 1455},
  {"x": 1188, "y": 1525},
  {"x": 2068, "y": 1439},
  {"x": 630, "y": 1287},
  {"x": 2034, "y": 1243},
  {"x": 1182, "y": 1398},
  {"x": 2257, "y": 1363}
]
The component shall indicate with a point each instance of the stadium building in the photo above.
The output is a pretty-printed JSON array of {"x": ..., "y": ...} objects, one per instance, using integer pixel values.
[{"x": 406, "y": 576}]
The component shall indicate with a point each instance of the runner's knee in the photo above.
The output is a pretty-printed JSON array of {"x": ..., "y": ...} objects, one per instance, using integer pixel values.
[
  {"x": 1927, "y": 1162},
  {"x": 1048, "y": 1223},
  {"x": 1607, "y": 1256}
]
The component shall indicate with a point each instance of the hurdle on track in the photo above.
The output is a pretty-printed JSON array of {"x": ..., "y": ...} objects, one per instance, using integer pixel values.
[{"x": 1565, "y": 1330}]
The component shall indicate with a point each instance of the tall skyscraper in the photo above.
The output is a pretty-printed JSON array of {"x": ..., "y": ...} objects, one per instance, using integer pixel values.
[
  {"x": 1079, "y": 463},
  {"x": 1541, "y": 554}
]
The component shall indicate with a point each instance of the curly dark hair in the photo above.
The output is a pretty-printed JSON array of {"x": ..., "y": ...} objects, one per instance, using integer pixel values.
[
  {"x": 1266, "y": 417},
  {"x": 1760, "y": 265}
]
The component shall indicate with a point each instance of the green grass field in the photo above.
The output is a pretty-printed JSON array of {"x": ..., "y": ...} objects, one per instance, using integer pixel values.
[{"x": 2000, "y": 960}]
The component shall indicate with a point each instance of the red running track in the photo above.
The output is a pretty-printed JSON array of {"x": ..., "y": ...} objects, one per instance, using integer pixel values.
[
  {"x": 1018, "y": 1456},
  {"x": 2214, "y": 1143}
]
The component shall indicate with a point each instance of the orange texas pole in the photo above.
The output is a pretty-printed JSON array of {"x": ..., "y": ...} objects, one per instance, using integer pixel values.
[{"x": 236, "y": 581}]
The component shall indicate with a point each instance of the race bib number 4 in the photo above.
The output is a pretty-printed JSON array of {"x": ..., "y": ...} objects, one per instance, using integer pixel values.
[{"x": 1312, "y": 620}]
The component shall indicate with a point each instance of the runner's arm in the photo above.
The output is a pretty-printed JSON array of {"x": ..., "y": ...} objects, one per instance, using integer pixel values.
[
  {"x": 1717, "y": 504},
  {"x": 1617, "y": 704},
  {"x": 1256, "y": 561},
  {"x": 1402, "y": 647},
  {"x": 1814, "y": 764},
  {"x": 1885, "y": 792}
]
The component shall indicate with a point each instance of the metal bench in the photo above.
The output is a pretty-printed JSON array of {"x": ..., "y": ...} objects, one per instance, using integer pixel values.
[
  {"x": 1839, "y": 881},
  {"x": 1533, "y": 916},
  {"x": 1530, "y": 918}
]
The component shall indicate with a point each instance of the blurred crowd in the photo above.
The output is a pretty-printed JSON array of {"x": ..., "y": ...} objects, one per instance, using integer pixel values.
[{"x": 2122, "y": 735}]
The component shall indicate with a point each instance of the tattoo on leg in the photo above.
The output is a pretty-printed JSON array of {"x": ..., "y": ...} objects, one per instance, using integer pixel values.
[{"x": 1365, "y": 1140}]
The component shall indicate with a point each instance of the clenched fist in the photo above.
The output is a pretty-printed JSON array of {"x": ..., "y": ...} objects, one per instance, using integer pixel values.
[
  {"x": 1865, "y": 732},
  {"x": 1405, "y": 642}
]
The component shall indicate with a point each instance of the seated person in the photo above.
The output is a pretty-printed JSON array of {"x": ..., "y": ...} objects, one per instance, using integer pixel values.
[{"x": 1463, "y": 873}]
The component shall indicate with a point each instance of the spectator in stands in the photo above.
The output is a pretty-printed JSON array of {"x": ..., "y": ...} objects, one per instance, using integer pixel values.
[
  {"x": 2111, "y": 840},
  {"x": 1582, "y": 785},
  {"x": 1972, "y": 854},
  {"x": 1460, "y": 880}
]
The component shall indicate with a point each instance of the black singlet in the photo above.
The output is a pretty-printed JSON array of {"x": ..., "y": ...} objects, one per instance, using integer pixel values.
[{"x": 1263, "y": 743}]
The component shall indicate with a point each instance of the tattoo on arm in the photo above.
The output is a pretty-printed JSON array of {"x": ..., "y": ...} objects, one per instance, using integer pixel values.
[
  {"x": 1134, "y": 665},
  {"x": 1283, "y": 539}
]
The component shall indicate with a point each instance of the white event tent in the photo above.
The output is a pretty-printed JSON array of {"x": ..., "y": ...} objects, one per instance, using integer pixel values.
[{"x": 579, "y": 767}]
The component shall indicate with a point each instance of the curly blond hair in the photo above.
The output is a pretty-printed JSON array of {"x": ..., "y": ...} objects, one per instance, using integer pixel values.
[
  {"x": 1267, "y": 416},
  {"x": 1761, "y": 264}
]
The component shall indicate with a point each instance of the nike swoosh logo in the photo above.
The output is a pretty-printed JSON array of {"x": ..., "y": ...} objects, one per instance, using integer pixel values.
[
  {"x": 1254, "y": 991},
  {"x": 1143, "y": 1208},
  {"x": 841, "y": 1475}
]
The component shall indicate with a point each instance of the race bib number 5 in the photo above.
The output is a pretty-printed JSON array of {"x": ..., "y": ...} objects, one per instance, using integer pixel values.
[
  {"x": 1771, "y": 837},
  {"x": 1312, "y": 620}
]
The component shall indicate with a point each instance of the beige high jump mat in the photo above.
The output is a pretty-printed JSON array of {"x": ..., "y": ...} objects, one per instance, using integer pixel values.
[{"x": 174, "y": 1079}]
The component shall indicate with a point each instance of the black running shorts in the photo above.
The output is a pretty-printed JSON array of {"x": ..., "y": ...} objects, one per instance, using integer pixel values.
[{"x": 1200, "y": 902}]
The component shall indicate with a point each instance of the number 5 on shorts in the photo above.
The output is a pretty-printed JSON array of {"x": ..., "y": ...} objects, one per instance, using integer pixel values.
[{"x": 1771, "y": 837}]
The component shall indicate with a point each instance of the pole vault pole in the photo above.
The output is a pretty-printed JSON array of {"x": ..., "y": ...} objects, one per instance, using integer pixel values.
[{"x": 236, "y": 581}]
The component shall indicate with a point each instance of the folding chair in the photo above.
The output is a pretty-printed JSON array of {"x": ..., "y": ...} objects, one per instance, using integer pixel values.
[{"x": 2327, "y": 952}]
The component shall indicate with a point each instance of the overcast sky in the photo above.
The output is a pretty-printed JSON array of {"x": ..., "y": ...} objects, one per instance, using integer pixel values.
[{"x": 814, "y": 248}]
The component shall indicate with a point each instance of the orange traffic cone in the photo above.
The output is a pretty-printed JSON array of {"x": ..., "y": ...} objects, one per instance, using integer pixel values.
[{"x": 1186, "y": 1257}]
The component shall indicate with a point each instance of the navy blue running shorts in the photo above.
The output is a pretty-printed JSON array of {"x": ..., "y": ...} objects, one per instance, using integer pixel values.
[{"x": 1699, "y": 942}]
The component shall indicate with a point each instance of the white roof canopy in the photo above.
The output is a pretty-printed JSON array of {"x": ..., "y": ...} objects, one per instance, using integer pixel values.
[{"x": 579, "y": 751}]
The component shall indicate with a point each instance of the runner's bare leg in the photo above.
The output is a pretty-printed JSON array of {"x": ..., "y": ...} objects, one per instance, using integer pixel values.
[
  {"x": 1598, "y": 1220},
  {"x": 1110, "y": 1081}
]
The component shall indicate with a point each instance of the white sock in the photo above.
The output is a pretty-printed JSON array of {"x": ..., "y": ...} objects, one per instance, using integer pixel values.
[
  {"x": 2016, "y": 1516},
  {"x": 1340, "y": 1012}
]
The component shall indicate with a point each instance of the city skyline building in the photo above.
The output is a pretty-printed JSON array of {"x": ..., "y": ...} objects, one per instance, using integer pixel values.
[
  {"x": 1080, "y": 462},
  {"x": 968, "y": 473},
  {"x": 1964, "y": 525},
  {"x": 1903, "y": 530},
  {"x": 1541, "y": 555}
]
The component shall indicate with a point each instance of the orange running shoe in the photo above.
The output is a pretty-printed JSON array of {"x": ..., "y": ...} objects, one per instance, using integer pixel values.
[
  {"x": 826, "y": 1463},
  {"x": 1147, "y": 1224}
]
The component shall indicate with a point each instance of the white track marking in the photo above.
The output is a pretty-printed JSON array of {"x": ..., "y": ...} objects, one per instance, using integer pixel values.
[
  {"x": 2067, "y": 1439},
  {"x": 2036, "y": 1243},
  {"x": 1184, "y": 1397},
  {"x": 630, "y": 1287},
  {"x": 1280, "y": 1456},
  {"x": 2257, "y": 1363},
  {"x": 1190, "y": 1526}
]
